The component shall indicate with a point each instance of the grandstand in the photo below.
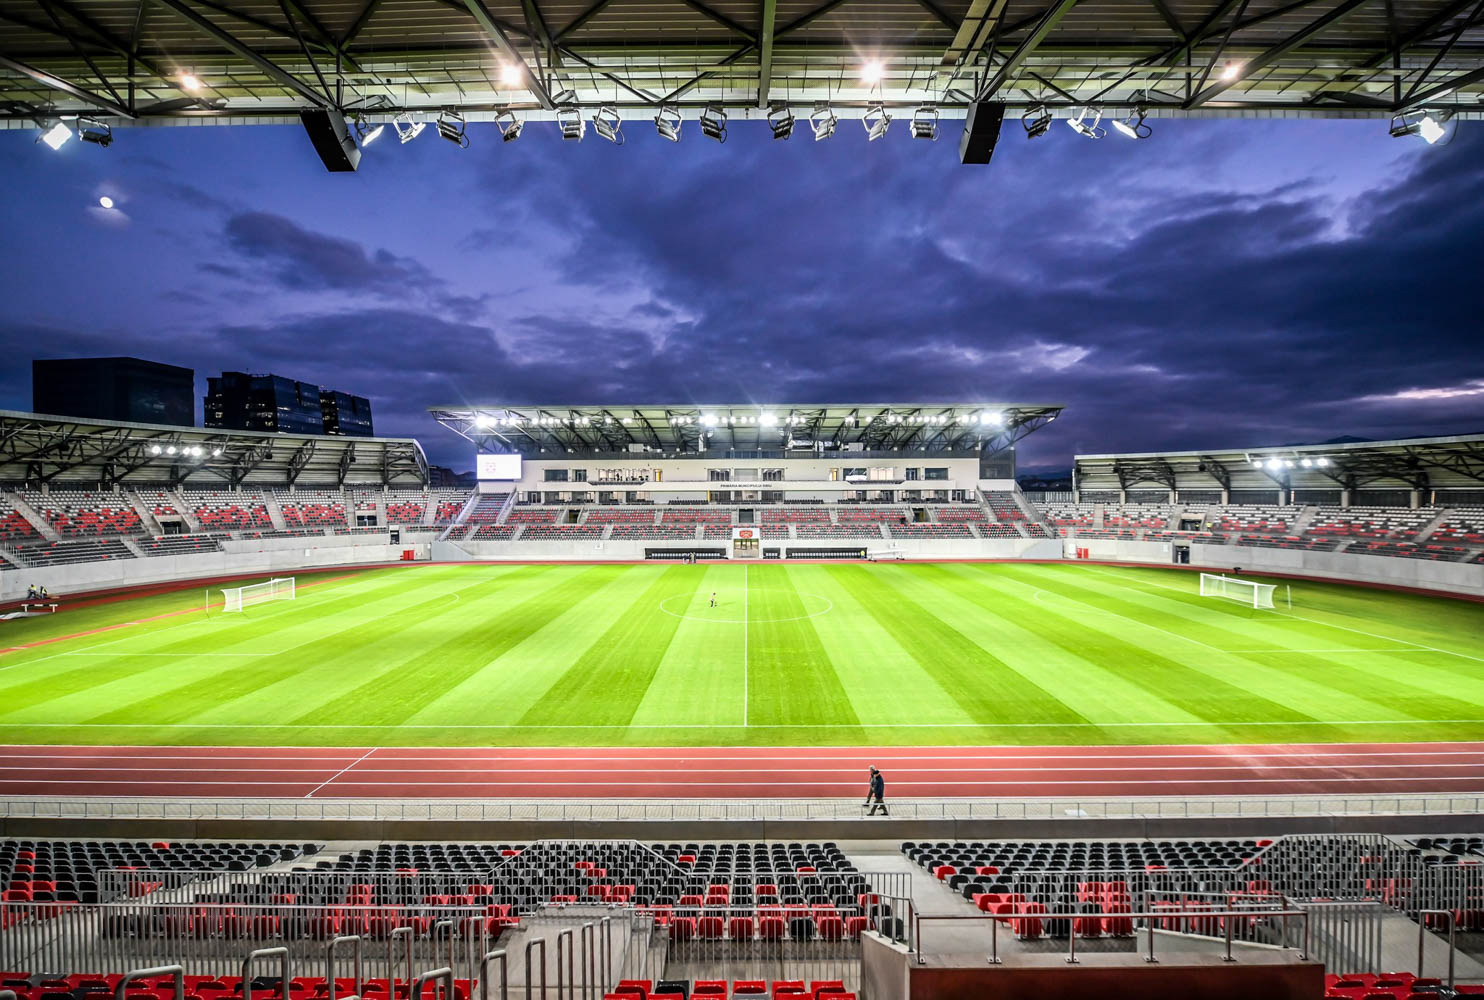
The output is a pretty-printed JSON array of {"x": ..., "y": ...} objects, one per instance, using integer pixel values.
[{"x": 505, "y": 731}]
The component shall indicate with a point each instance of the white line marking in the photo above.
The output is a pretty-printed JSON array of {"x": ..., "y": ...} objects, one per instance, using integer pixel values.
[
  {"x": 722, "y": 725},
  {"x": 347, "y": 767},
  {"x": 745, "y": 669},
  {"x": 683, "y": 765}
]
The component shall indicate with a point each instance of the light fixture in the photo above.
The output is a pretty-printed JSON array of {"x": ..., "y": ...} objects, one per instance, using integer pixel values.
[
  {"x": 569, "y": 116},
  {"x": 1427, "y": 124},
  {"x": 925, "y": 123},
  {"x": 823, "y": 121},
  {"x": 714, "y": 123},
  {"x": 510, "y": 74},
  {"x": 1256, "y": 463},
  {"x": 154, "y": 449},
  {"x": 482, "y": 420},
  {"x": 170, "y": 450},
  {"x": 667, "y": 122},
  {"x": 709, "y": 420},
  {"x": 1306, "y": 463},
  {"x": 189, "y": 81},
  {"x": 1091, "y": 129},
  {"x": 1133, "y": 126},
  {"x": 368, "y": 132},
  {"x": 94, "y": 131},
  {"x": 407, "y": 129},
  {"x": 1322, "y": 462},
  {"x": 1231, "y": 70},
  {"x": 1275, "y": 463},
  {"x": 872, "y": 72},
  {"x": 216, "y": 453},
  {"x": 451, "y": 127},
  {"x": 767, "y": 420},
  {"x": 876, "y": 121},
  {"x": 781, "y": 121},
  {"x": 1036, "y": 121},
  {"x": 56, "y": 137},
  {"x": 608, "y": 124},
  {"x": 509, "y": 125},
  {"x": 105, "y": 202}
]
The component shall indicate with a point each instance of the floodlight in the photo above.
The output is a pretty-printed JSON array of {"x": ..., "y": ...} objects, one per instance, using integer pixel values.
[
  {"x": 823, "y": 121},
  {"x": 105, "y": 202},
  {"x": 482, "y": 420},
  {"x": 56, "y": 137},
  {"x": 667, "y": 122},
  {"x": 94, "y": 131},
  {"x": 1036, "y": 121},
  {"x": 1091, "y": 129},
  {"x": 1321, "y": 462},
  {"x": 569, "y": 116},
  {"x": 991, "y": 418},
  {"x": 709, "y": 420},
  {"x": 1275, "y": 463},
  {"x": 216, "y": 453},
  {"x": 1231, "y": 71},
  {"x": 608, "y": 124},
  {"x": 876, "y": 121},
  {"x": 1427, "y": 124},
  {"x": 407, "y": 129},
  {"x": 872, "y": 71},
  {"x": 509, "y": 125},
  {"x": 1257, "y": 463},
  {"x": 767, "y": 420},
  {"x": 367, "y": 132},
  {"x": 510, "y": 74},
  {"x": 1430, "y": 129},
  {"x": 781, "y": 121},
  {"x": 714, "y": 123},
  {"x": 925, "y": 123},
  {"x": 190, "y": 82},
  {"x": 154, "y": 449},
  {"x": 1306, "y": 463},
  {"x": 170, "y": 450},
  {"x": 1133, "y": 126},
  {"x": 451, "y": 126}
]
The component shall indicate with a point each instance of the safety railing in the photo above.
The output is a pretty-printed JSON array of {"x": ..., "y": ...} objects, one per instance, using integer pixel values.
[
  {"x": 1422, "y": 929},
  {"x": 175, "y": 972},
  {"x": 285, "y": 970},
  {"x": 673, "y": 810},
  {"x": 1214, "y": 923}
]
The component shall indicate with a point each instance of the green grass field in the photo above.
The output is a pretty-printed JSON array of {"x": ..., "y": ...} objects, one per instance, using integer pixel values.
[{"x": 792, "y": 655}]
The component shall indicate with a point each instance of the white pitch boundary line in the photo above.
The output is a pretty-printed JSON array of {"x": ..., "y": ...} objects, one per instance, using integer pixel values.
[
  {"x": 14, "y": 724},
  {"x": 347, "y": 767},
  {"x": 745, "y": 668},
  {"x": 1320, "y": 621},
  {"x": 899, "y": 767}
]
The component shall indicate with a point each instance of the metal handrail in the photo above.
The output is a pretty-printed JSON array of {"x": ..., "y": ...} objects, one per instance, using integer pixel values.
[
  {"x": 1422, "y": 939},
  {"x": 997, "y": 918},
  {"x": 484, "y": 975},
  {"x": 587, "y": 939},
  {"x": 415, "y": 990},
  {"x": 280, "y": 953},
  {"x": 568, "y": 936},
  {"x": 541, "y": 944},
  {"x": 330, "y": 946},
  {"x": 178, "y": 972},
  {"x": 405, "y": 935}
]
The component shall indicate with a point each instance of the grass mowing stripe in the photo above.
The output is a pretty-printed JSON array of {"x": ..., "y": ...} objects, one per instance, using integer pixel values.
[
  {"x": 437, "y": 667},
  {"x": 612, "y": 677},
  {"x": 1077, "y": 672},
  {"x": 793, "y": 678},
  {"x": 1169, "y": 674},
  {"x": 988, "y": 689},
  {"x": 700, "y": 677}
]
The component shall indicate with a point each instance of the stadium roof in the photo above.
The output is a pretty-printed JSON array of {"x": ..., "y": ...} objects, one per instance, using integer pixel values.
[
  {"x": 37, "y": 448},
  {"x": 1414, "y": 463},
  {"x": 241, "y": 61},
  {"x": 749, "y": 427}
]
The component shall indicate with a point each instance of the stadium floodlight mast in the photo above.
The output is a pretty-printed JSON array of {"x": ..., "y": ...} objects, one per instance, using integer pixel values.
[
  {"x": 781, "y": 121},
  {"x": 925, "y": 123},
  {"x": 1037, "y": 121},
  {"x": 609, "y": 124},
  {"x": 1082, "y": 126},
  {"x": 509, "y": 124},
  {"x": 668, "y": 122}
]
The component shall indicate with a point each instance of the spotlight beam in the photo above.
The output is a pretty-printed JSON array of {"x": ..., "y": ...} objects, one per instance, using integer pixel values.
[
  {"x": 57, "y": 83},
  {"x": 262, "y": 62},
  {"x": 509, "y": 51}
]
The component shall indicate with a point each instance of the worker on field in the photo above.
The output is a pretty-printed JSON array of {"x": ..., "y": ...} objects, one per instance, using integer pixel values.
[
  {"x": 713, "y": 598},
  {"x": 877, "y": 790}
]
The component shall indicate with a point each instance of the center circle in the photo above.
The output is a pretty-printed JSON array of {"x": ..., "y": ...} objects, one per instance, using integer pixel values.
[{"x": 814, "y": 606}]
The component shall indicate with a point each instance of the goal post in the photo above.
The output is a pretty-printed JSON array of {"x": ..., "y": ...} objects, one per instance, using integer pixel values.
[
  {"x": 1250, "y": 592},
  {"x": 279, "y": 588}
]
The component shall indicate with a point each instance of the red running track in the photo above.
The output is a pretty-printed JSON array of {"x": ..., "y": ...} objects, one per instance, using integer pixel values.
[{"x": 741, "y": 772}]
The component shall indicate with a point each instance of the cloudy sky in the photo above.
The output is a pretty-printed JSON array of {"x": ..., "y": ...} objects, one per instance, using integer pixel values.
[{"x": 1231, "y": 283}]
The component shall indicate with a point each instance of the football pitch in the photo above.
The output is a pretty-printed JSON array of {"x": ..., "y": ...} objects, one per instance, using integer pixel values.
[{"x": 790, "y": 655}]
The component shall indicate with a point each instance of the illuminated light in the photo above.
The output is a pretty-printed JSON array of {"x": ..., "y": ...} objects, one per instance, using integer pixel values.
[
  {"x": 872, "y": 72},
  {"x": 1257, "y": 463},
  {"x": 1306, "y": 463},
  {"x": 1275, "y": 463},
  {"x": 1288, "y": 463},
  {"x": 367, "y": 132},
  {"x": 1231, "y": 71},
  {"x": 710, "y": 420},
  {"x": 767, "y": 420},
  {"x": 56, "y": 137},
  {"x": 189, "y": 81},
  {"x": 482, "y": 420},
  {"x": 991, "y": 418},
  {"x": 154, "y": 449},
  {"x": 1430, "y": 129},
  {"x": 1133, "y": 126},
  {"x": 216, "y": 453},
  {"x": 1322, "y": 462},
  {"x": 510, "y": 74},
  {"x": 105, "y": 202},
  {"x": 170, "y": 450}
]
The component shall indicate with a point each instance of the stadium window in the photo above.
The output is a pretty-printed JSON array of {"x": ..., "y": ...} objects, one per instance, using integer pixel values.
[
  {"x": 914, "y": 473},
  {"x": 579, "y": 475},
  {"x": 935, "y": 473},
  {"x": 556, "y": 475}
]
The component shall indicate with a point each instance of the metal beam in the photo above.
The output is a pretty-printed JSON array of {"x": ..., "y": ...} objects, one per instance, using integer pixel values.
[
  {"x": 719, "y": 18},
  {"x": 236, "y": 45},
  {"x": 581, "y": 19},
  {"x": 1441, "y": 90},
  {"x": 979, "y": 27},
  {"x": 1049, "y": 19},
  {"x": 57, "y": 83},
  {"x": 766, "y": 18},
  {"x": 1442, "y": 53},
  {"x": 509, "y": 51},
  {"x": 1276, "y": 52},
  {"x": 367, "y": 9}
]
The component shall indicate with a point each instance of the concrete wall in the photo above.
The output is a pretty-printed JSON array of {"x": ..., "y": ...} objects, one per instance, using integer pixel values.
[
  {"x": 270, "y": 556},
  {"x": 609, "y": 551}
]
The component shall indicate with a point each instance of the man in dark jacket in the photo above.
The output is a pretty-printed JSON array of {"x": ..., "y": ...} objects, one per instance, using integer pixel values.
[{"x": 877, "y": 791}]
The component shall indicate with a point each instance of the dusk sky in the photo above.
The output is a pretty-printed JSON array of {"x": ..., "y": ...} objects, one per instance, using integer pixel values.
[{"x": 1224, "y": 283}]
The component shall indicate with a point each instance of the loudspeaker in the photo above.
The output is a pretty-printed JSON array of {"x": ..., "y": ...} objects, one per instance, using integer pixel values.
[
  {"x": 981, "y": 132},
  {"x": 332, "y": 139}
]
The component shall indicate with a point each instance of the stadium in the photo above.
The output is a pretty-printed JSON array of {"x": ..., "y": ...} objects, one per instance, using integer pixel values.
[{"x": 1207, "y": 723}]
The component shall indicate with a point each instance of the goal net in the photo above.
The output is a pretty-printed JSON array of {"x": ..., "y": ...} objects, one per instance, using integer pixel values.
[
  {"x": 277, "y": 589},
  {"x": 1258, "y": 595}
]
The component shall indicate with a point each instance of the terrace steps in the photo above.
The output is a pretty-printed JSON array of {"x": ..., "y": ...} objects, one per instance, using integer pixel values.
[
  {"x": 42, "y": 525},
  {"x": 1425, "y": 532},
  {"x": 275, "y": 512}
]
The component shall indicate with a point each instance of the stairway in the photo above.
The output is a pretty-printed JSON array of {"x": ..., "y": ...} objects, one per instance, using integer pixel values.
[
  {"x": 147, "y": 518},
  {"x": 275, "y": 512},
  {"x": 42, "y": 525},
  {"x": 188, "y": 515},
  {"x": 1305, "y": 518},
  {"x": 1425, "y": 532}
]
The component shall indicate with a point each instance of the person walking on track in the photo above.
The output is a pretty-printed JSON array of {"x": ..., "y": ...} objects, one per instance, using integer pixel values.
[{"x": 877, "y": 790}]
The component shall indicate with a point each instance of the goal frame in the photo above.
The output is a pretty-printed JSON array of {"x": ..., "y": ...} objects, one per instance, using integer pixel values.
[
  {"x": 236, "y": 599},
  {"x": 1249, "y": 592}
]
